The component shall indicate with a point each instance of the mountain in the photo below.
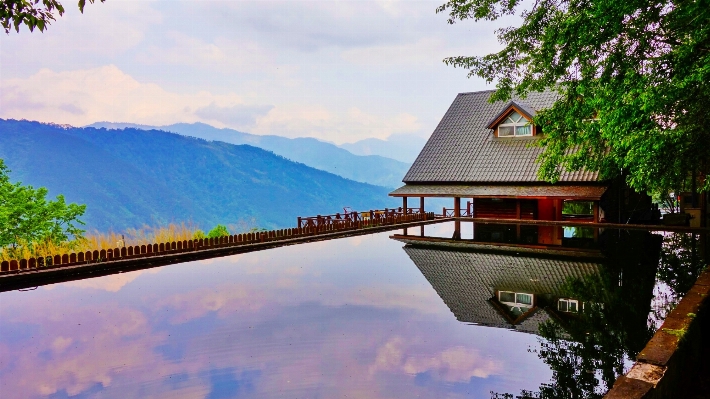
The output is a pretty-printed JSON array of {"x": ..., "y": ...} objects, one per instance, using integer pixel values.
[
  {"x": 402, "y": 147},
  {"x": 132, "y": 177},
  {"x": 372, "y": 169}
]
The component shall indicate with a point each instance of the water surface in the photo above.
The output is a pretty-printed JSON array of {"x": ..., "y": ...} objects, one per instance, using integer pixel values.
[{"x": 363, "y": 316}]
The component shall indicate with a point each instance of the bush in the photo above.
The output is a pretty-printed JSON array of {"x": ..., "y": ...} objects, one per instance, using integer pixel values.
[
  {"x": 198, "y": 234},
  {"x": 218, "y": 231},
  {"x": 27, "y": 217}
]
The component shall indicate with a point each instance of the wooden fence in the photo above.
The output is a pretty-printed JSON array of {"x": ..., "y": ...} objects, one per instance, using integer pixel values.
[
  {"x": 338, "y": 219},
  {"x": 450, "y": 212},
  {"x": 159, "y": 249}
]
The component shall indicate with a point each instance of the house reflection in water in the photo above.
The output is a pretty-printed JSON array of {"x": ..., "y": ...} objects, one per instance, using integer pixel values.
[
  {"x": 588, "y": 296},
  {"x": 500, "y": 289}
]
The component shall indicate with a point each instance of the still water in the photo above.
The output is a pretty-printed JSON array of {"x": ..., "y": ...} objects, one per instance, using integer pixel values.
[{"x": 376, "y": 316}]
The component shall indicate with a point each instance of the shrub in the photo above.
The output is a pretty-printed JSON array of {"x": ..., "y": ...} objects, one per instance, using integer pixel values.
[{"x": 218, "y": 231}]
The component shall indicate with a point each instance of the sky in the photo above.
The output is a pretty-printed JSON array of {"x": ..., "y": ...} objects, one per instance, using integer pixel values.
[{"x": 337, "y": 71}]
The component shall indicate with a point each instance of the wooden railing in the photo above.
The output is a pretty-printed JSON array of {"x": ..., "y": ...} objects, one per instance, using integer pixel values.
[
  {"x": 353, "y": 222},
  {"x": 345, "y": 219},
  {"x": 450, "y": 212}
]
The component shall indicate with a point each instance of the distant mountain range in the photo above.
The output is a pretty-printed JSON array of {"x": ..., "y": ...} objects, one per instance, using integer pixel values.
[
  {"x": 365, "y": 168},
  {"x": 402, "y": 147},
  {"x": 132, "y": 177}
]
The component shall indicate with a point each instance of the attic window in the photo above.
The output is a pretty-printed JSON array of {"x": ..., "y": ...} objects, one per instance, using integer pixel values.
[{"x": 515, "y": 125}]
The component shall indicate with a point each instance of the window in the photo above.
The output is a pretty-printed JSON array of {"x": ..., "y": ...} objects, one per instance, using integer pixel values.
[
  {"x": 568, "y": 305},
  {"x": 514, "y": 125},
  {"x": 516, "y": 302},
  {"x": 515, "y": 298},
  {"x": 578, "y": 208}
]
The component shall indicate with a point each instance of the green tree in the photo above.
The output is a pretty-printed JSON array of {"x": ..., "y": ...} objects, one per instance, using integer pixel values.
[
  {"x": 633, "y": 79},
  {"x": 218, "y": 231},
  {"x": 33, "y": 13},
  {"x": 27, "y": 217}
]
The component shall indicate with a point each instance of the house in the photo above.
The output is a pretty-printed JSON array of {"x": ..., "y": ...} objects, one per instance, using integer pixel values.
[{"x": 485, "y": 153}]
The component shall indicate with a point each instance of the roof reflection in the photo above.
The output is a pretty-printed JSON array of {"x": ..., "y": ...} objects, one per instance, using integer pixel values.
[{"x": 471, "y": 283}]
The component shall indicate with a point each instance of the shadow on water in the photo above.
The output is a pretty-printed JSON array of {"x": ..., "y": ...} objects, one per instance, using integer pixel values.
[{"x": 594, "y": 297}]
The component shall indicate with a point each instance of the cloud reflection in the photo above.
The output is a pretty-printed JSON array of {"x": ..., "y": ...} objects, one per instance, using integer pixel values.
[{"x": 305, "y": 328}]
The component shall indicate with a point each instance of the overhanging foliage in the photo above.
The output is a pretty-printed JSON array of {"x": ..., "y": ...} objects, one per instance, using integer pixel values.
[{"x": 633, "y": 79}]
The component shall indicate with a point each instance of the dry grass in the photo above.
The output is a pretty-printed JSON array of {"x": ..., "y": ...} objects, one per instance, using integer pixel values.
[
  {"x": 97, "y": 240},
  {"x": 144, "y": 235},
  {"x": 45, "y": 248}
]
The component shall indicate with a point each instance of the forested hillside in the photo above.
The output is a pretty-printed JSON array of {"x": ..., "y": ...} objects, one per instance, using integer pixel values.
[
  {"x": 372, "y": 169},
  {"x": 133, "y": 177}
]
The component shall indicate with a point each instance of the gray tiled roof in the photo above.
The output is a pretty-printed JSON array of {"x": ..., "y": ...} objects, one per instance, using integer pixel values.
[
  {"x": 532, "y": 323},
  {"x": 462, "y": 149},
  {"x": 465, "y": 281}
]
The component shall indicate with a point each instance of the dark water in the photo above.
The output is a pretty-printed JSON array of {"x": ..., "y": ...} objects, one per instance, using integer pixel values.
[{"x": 365, "y": 317}]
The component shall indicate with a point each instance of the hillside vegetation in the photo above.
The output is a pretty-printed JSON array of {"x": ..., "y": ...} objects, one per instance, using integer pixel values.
[
  {"x": 129, "y": 178},
  {"x": 372, "y": 169}
]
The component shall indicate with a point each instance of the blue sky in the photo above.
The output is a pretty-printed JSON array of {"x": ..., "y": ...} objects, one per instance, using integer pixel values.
[{"x": 337, "y": 71}]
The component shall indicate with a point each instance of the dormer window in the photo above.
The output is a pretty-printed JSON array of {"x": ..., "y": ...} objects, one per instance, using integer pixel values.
[
  {"x": 514, "y": 125},
  {"x": 514, "y": 121}
]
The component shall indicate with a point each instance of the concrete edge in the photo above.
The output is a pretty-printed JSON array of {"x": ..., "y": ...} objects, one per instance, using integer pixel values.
[{"x": 658, "y": 372}]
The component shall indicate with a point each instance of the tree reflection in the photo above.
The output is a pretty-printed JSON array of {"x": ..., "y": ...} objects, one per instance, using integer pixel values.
[
  {"x": 587, "y": 350},
  {"x": 680, "y": 265}
]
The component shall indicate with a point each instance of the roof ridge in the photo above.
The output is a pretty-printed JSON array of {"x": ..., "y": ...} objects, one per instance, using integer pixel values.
[{"x": 477, "y": 92}]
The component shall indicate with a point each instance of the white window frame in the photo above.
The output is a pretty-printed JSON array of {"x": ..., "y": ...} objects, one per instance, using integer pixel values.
[
  {"x": 568, "y": 300},
  {"x": 516, "y": 303},
  {"x": 509, "y": 121}
]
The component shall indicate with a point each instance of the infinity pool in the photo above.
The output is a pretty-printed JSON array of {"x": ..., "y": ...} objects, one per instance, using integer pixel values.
[{"x": 365, "y": 317}]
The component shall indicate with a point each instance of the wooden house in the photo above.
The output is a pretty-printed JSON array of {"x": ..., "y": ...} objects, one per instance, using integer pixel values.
[{"x": 485, "y": 154}]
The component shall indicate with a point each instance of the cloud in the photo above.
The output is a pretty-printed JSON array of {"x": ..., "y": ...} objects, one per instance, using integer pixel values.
[
  {"x": 93, "y": 349},
  {"x": 81, "y": 97},
  {"x": 224, "y": 300},
  {"x": 456, "y": 364},
  {"x": 235, "y": 115},
  {"x": 227, "y": 55},
  {"x": 110, "y": 283},
  {"x": 314, "y": 26}
]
